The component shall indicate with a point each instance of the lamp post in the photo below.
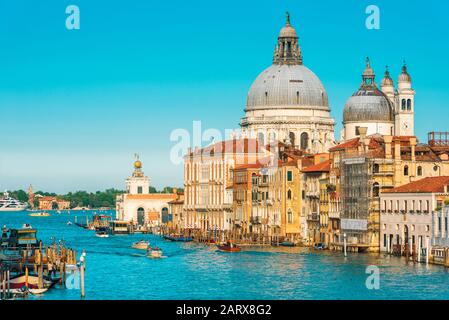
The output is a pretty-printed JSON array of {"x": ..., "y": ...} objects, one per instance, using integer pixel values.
[{"x": 344, "y": 244}]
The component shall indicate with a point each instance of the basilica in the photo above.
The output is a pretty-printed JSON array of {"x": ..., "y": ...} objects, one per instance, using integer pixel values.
[{"x": 287, "y": 102}]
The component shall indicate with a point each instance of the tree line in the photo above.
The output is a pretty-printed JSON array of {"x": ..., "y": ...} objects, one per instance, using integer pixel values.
[{"x": 98, "y": 199}]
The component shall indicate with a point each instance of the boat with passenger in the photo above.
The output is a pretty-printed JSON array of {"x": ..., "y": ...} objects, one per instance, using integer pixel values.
[
  {"x": 142, "y": 245},
  {"x": 229, "y": 246},
  {"x": 154, "y": 252},
  {"x": 102, "y": 232},
  {"x": 39, "y": 214}
]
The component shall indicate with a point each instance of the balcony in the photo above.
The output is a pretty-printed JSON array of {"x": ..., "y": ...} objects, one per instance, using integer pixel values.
[
  {"x": 256, "y": 220},
  {"x": 313, "y": 217}
]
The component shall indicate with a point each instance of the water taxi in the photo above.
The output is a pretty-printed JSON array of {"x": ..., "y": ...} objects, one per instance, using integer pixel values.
[
  {"x": 102, "y": 232},
  {"x": 142, "y": 245},
  {"x": 229, "y": 247},
  {"x": 39, "y": 214},
  {"x": 154, "y": 252}
]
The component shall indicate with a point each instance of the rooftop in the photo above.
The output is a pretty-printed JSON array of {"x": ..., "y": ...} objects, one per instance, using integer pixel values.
[{"x": 426, "y": 185}]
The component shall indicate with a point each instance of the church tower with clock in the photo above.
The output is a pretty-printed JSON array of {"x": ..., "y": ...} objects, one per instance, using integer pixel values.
[{"x": 405, "y": 105}]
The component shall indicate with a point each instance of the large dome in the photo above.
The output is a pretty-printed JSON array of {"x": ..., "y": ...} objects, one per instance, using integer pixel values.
[
  {"x": 368, "y": 106},
  {"x": 287, "y": 86}
]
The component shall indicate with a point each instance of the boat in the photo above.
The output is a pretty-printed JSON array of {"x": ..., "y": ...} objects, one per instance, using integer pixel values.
[
  {"x": 177, "y": 237},
  {"x": 19, "y": 238},
  {"x": 31, "y": 282},
  {"x": 102, "y": 233},
  {"x": 229, "y": 247},
  {"x": 319, "y": 246},
  {"x": 143, "y": 245},
  {"x": 69, "y": 223},
  {"x": 10, "y": 204},
  {"x": 287, "y": 244},
  {"x": 154, "y": 252},
  {"x": 39, "y": 214},
  {"x": 118, "y": 227}
]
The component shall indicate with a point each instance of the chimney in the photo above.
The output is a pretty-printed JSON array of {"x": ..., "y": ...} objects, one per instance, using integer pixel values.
[
  {"x": 397, "y": 150},
  {"x": 388, "y": 140},
  {"x": 413, "y": 145}
]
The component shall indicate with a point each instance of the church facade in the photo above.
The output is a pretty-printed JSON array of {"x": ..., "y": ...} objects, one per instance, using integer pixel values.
[{"x": 386, "y": 111}]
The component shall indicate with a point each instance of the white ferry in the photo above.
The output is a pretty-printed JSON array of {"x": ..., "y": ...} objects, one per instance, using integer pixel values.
[{"x": 9, "y": 204}]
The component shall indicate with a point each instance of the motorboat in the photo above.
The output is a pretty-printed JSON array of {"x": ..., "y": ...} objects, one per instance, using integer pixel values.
[
  {"x": 287, "y": 244},
  {"x": 10, "y": 204},
  {"x": 39, "y": 214},
  {"x": 142, "y": 245},
  {"x": 319, "y": 246},
  {"x": 154, "y": 252},
  {"x": 229, "y": 247},
  {"x": 102, "y": 233}
]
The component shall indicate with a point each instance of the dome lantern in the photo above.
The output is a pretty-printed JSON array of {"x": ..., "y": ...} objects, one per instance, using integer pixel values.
[
  {"x": 404, "y": 76},
  {"x": 287, "y": 50},
  {"x": 387, "y": 81}
]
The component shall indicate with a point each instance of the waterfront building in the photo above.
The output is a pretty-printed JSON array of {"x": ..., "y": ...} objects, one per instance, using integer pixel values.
[
  {"x": 53, "y": 203},
  {"x": 138, "y": 205},
  {"x": 440, "y": 226},
  {"x": 287, "y": 101},
  {"x": 316, "y": 200},
  {"x": 409, "y": 214},
  {"x": 175, "y": 209},
  {"x": 208, "y": 183},
  {"x": 378, "y": 163},
  {"x": 386, "y": 111}
]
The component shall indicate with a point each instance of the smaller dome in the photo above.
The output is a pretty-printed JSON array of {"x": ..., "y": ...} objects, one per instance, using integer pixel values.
[
  {"x": 368, "y": 106},
  {"x": 404, "y": 76},
  {"x": 387, "y": 81},
  {"x": 137, "y": 164},
  {"x": 288, "y": 32}
]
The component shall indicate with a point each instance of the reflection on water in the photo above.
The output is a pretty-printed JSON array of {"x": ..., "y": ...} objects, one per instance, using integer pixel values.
[{"x": 193, "y": 271}]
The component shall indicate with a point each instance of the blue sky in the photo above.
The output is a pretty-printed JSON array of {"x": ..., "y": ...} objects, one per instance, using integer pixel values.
[{"x": 76, "y": 105}]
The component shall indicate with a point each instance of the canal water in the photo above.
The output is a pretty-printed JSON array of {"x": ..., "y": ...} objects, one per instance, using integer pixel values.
[{"x": 194, "y": 271}]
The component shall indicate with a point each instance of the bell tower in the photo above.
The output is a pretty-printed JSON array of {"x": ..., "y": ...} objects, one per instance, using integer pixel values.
[{"x": 405, "y": 105}]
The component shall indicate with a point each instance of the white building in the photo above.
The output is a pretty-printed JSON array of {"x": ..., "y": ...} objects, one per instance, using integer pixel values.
[
  {"x": 387, "y": 111},
  {"x": 408, "y": 213},
  {"x": 288, "y": 102},
  {"x": 138, "y": 205},
  {"x": 440, "y": 226}
]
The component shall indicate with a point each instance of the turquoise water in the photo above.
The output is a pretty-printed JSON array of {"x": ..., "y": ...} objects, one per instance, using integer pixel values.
[{"x": 193, "y": 271}]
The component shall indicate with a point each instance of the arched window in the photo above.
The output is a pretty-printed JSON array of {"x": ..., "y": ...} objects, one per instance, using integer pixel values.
[
  {"x": 419, "y": 171},
  {"x": 409, "y": 104},
  {"x": 289, "y": 194},
  {"x": 266, "y": 97},
  {"x": 376, "y": 168},
  {"x": 290, "y": 216},
  {"x": 304, "y": 141},
  {"x": 261, "y": 138},
  {"x": 406, "y": 171},
  {"x": 376, "y": 190},
  {"x": 141, "y": 216},
  {"x": 291, "y": 136},
  {"x": 404, "y": 104}
]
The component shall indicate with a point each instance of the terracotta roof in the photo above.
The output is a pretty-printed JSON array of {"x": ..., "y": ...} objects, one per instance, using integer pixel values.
[
  {"x": 320, "y": 167},
  {"x": 426, "y": 185},
  {"x": 353, "y": 143},
  {"x": 231, "y": 146},
  {"x": 152, "y": 196}
]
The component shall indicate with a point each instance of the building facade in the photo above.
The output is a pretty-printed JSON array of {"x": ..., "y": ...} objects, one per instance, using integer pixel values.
[{"x": 140, "y": 207}]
